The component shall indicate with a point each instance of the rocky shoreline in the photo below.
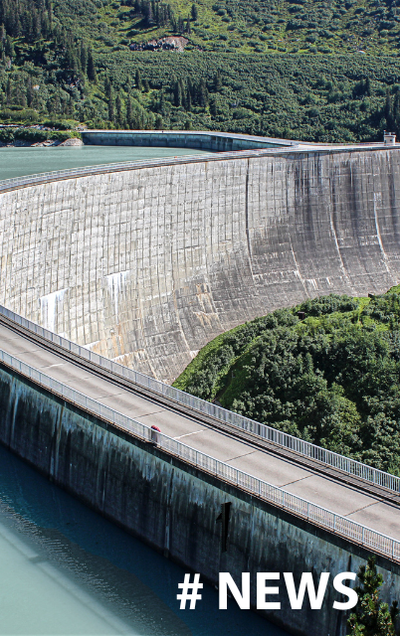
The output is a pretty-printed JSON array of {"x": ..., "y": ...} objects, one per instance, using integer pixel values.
[{"x": 20, "y": 143}]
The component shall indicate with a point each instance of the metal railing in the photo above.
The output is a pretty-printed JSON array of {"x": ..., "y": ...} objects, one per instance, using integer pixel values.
[
  {"x": 337, "y": 524},
  {"x": 268, "y": 433},
  {"x": 70, "y": 173}
]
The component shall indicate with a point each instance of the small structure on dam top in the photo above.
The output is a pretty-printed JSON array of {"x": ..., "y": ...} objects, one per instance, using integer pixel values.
[{"x": 389, "y": 138}]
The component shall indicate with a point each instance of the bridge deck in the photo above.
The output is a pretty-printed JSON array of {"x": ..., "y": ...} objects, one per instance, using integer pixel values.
[{"x": 367, "y": 509}]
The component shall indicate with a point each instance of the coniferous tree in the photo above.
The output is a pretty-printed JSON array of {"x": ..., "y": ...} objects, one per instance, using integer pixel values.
[
  {"x": 371, "y": 617},
  {"x": 29, "y": 92},
  {"x": 129, "y": 112},
  {"x": 9, "y": 47},
  {"x": 8, "y": 92},
  {"x": 162, "y": 107},
  {"x": 91, "y": 69},
  {"x": 108, "y": 88},
  {"x": 203, "y": 94},
  {"x": 149, "y": 15},
  {"x": 177, "y": 94},
  {"x": 188, "y": 97},
  {"x": 213, "y": 107},
  {"x": 396, "y": 112},
  {"x": 388, "y": 112},
  {"x": 118, "y": 107},
  {"x": 111, "y": 108},
  {"x": 84, "y": 58},
  {"x": 217, "y": 82}
]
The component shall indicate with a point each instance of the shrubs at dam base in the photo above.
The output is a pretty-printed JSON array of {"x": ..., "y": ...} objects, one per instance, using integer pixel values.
[{"x": 326, "y": 370}]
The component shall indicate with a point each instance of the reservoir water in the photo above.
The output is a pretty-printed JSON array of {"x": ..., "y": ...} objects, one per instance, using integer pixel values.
[
  {"x": 67, "y": 571},
  {"x": 16, "y": 162}
]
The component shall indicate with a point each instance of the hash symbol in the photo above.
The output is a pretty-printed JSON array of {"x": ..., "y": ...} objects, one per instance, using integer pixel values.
[{"x": 189, "y": 591}]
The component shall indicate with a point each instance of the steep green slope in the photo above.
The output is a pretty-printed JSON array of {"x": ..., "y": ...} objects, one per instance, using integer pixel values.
[
  {"x": 276, "y": 68},
  {"x": 331, "y": 378},
  {"x": 249, "y": 26}
]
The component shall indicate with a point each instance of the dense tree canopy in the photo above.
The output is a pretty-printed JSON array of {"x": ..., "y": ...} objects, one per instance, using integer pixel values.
[{"x": 332, "y": 378}]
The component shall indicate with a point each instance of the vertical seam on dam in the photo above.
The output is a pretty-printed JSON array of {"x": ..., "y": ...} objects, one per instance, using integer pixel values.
[{"x": 246, "y": 203}]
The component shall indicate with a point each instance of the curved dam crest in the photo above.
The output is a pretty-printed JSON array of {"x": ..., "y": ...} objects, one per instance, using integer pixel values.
[{"x": 148, "y": 265}]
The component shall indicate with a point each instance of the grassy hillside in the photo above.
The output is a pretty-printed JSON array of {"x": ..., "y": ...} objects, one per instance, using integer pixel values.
[
  {"x": 338, "y": 26},
  {"x": 331, "y": 377},
  {"x": 277, "y": 68}
]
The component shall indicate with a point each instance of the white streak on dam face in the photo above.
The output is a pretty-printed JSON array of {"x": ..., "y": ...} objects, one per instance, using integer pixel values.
[
  {"x": 50, "y": 306},
  {"x": 116, "y": 285}
]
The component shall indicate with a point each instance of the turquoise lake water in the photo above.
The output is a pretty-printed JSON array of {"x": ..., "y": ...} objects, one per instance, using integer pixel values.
[
  {"x": 65, "y": 570},
  {"x": 16, "y": 162}
]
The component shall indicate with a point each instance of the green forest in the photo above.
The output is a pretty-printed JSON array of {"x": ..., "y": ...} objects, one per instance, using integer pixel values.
[
  {"x": 295, "y": 69},
  {"x": 326, "y": 370}
]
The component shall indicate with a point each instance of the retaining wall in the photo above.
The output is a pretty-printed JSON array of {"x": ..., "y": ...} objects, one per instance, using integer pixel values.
[{"x": 215, "y": 142}]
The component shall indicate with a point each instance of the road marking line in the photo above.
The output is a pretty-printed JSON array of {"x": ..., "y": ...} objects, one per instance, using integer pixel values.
[
  {"x": 237, "y": 456},
  {"x": 192, "y": 433}
]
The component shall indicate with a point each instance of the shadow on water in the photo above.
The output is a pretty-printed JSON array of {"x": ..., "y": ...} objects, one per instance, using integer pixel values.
[{"x": 66, "y": 570}]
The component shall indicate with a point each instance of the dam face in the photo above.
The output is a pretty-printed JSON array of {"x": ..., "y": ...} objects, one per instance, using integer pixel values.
[{"x": 149, "y": 264}]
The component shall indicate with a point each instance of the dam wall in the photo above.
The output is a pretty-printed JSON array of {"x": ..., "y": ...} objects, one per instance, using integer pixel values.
[
  {"x": 147, "y": 265},
  {"x": 215, "y": 142},
  {"x": 176, "y": 507}
]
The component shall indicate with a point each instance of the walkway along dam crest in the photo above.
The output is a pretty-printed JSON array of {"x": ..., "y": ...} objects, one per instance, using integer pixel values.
[{"x": 145, "y": 264}]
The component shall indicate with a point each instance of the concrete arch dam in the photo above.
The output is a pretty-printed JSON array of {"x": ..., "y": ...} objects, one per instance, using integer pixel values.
[{"x": 146, "y": 265}]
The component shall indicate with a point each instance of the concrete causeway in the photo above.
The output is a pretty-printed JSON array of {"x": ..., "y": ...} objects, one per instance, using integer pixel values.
[{"x": 324, "y": 491}]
